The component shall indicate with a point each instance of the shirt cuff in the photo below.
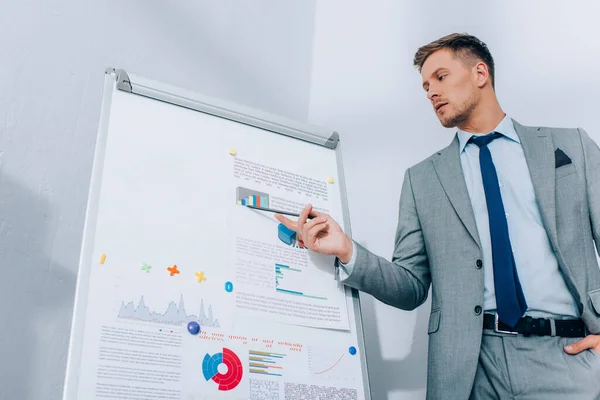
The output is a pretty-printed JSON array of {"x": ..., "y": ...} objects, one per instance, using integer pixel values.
[{"x": 345, "y": 270}]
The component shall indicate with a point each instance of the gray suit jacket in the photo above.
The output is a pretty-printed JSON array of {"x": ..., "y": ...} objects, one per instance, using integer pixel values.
[{"x": 437, "y": 243}]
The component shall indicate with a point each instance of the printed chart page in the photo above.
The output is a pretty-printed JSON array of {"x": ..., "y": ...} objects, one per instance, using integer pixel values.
[{"x": 276, "y": 277}]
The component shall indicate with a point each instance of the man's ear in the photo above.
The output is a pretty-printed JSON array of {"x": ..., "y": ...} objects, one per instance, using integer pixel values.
[{"x": 483, "y": 74}]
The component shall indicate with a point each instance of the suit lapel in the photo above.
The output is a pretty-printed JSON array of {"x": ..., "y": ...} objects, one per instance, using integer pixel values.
[
  {"x": 449, "y": 170},
  {"x": 539, "y": 153}
]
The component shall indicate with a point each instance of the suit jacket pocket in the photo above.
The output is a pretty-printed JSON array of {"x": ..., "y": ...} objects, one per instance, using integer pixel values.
[
  {"x": 434, "y": 321},
  {"x": 565, "y": 170},
  {"x": 595, "y": 300}
]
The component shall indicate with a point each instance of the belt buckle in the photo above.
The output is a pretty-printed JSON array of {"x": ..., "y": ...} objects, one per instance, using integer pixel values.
[{"x": 497, "y": 330}]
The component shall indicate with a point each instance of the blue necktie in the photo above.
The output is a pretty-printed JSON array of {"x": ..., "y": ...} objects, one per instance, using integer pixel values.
[{"x": 510, "y": 301}]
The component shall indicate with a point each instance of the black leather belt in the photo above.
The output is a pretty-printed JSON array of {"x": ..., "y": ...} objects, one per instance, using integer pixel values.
[{"x": 570, "y": 328}]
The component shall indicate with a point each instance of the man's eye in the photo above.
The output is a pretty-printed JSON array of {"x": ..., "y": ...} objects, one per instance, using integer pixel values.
[{"x": 441, "y": 77}]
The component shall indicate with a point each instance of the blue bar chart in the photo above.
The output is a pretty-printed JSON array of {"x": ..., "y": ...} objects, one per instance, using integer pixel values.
[{"x": 289, "y": 280}]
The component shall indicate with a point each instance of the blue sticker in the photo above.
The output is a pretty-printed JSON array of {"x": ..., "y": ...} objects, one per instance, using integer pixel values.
[
  {"x": 352, "y": 350},
  {"x": 193, "y": 328},
  {"x": 228, "y": 287},
  {"x": 286, "y": 235}
]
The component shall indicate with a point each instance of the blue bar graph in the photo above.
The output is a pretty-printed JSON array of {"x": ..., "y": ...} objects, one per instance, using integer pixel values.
[{"x": 283, "y": 271}]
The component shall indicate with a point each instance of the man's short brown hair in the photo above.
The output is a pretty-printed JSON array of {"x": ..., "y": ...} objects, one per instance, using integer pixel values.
[{"x": 467, "y": 48}]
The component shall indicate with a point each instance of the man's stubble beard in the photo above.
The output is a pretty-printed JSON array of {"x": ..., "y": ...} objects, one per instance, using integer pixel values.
[{"x": 462, "y": 115}]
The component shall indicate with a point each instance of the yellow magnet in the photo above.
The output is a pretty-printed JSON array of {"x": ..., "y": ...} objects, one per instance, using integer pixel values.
[
  {"x": 102, "y": 258},
  {"x": 200, "y": 276},
  {"x": 232, "y": 151},
  {"x": 330, "y": 179}
]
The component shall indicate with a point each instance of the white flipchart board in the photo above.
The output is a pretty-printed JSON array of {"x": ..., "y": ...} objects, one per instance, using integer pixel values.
[{"x": 185, "y": 293}]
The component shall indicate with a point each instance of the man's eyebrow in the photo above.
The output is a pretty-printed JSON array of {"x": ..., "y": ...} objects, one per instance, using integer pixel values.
[{"x": 434, "y": 74}]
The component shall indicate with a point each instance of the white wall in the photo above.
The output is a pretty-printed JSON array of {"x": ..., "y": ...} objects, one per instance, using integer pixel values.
[
  {"x": 260, "y": 54},
  {"x": 54, "y": 53},
  {"x": 364, "y": 86}
]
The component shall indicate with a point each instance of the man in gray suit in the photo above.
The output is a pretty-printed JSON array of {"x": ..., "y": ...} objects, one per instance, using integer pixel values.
[{"x": 502, "y": 224}]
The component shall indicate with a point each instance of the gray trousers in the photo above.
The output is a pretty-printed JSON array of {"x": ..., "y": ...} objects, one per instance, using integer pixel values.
[{"x": 534, "y": 367}]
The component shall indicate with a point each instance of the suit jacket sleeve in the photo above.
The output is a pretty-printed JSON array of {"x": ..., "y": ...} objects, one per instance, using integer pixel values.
[
  {"x": 403, "y": 282},
  {"x": 592, "y": 174}
]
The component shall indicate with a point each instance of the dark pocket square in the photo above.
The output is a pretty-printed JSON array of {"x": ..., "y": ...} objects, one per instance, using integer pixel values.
[{"x": 561, "y": 158}]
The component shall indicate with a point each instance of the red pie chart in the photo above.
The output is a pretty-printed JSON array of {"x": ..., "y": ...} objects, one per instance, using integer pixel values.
[{"x": 227, "y": 380}]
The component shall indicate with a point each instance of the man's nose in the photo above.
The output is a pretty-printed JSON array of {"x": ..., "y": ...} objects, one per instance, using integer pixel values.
[{"x": 432, "y": 94}]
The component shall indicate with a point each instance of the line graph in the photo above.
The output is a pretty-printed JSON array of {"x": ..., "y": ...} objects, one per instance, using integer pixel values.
[
  {"x": 173, "y": 315},
  {"x": 332, "y": 364},
  {"x": 330, "y": 368}
]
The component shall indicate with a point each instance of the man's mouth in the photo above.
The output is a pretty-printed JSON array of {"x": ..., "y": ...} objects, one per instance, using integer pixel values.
[{"x": 439, "y": 106}]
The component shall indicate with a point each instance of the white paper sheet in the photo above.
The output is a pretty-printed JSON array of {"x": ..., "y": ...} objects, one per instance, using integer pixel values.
[{"x": 277, "y": 278}]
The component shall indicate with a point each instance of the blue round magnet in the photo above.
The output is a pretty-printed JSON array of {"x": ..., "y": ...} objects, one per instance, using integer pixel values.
[
  {"x": 352, "y": 350},
  {"x": 228, "y": 287},
  {"x": 193, "y": 327}
]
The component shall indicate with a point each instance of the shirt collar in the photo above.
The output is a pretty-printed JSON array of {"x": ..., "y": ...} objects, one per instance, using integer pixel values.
[{"x": 505, "y": 127}]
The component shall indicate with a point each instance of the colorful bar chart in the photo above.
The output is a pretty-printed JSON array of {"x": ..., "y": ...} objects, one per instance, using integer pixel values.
[
  {"x": 248, "y": 197},
  {"x": 283, "y": 271},
  {"x": 266, "y": 363}
]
